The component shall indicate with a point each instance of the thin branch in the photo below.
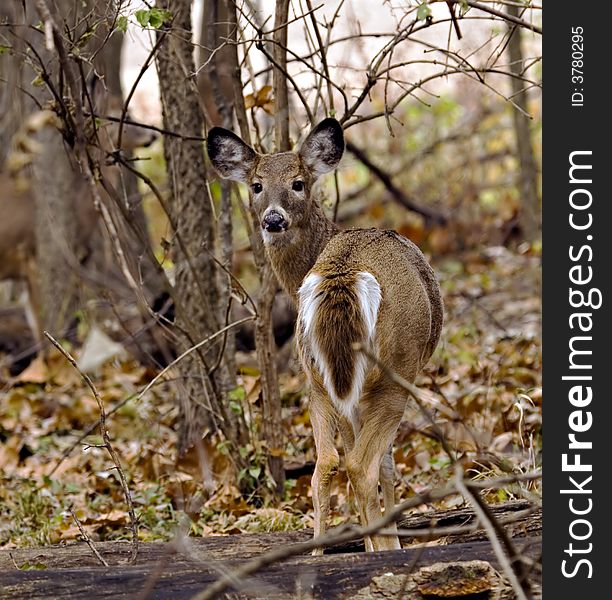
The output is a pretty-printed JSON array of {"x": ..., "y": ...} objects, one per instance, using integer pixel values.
[
  {"x": 107, "y": 443},
  {"x": 189, "y": 351},
  {"x": 498, "y": 13},
  {"x": 280, "y": 76},
  {"x": 489, "y": 528},
  {"x": 87, "y": 539},
  {"x": 399, "y": 195},
  {"x": 143, "y": 70},
  {"x": 342, "y": 534}
]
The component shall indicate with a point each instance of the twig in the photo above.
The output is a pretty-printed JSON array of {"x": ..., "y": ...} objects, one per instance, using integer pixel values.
[
  {"x": 189, "y": 351},
  {"x": 517, "y": 564},
  {"x": 87, "y": 539},
  {"x": 139, "y": 395},
  {"x": 502, "y": 15},
  {"x": 396, "y": 192},
  {"x": 416, "y": 394},
  {"x": 451, "y": 9},
  {"x": 323, "y": 52},
  {"x": 280, "y": 76},
  {"x": 161, "y": 130},
  {"x": 143, "y": 70},
  {"x": 341, "y": 535},
  {"x": 490, "y": 529},
  {"x": 107, "y": 443}
]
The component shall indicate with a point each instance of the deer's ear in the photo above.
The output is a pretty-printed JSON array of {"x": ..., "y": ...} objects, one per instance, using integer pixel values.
[
  {"x": 230, "y": 156},
  {"x": 323, "y": 148}
]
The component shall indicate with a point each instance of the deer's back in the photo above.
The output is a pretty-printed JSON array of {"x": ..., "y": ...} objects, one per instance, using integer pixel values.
[{"x": 410, "y": 314}]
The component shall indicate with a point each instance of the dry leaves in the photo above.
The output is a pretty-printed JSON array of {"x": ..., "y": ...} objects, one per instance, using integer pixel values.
[{"x": 485, "y": 384}]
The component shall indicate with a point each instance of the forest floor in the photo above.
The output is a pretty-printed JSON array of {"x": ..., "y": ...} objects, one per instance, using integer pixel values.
[
  {"x": 485, "y": 377},
  {"x": 276, "y": 565}
]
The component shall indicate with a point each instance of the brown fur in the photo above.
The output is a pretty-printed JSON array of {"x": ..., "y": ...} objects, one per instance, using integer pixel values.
[
  {"x": 339, "y": 309},
  {"x": 411, "y": 303},
  {"x": 408, "y": 322}
]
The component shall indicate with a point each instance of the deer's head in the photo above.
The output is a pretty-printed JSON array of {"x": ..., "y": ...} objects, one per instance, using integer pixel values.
[{"x": 280, "y": 184}]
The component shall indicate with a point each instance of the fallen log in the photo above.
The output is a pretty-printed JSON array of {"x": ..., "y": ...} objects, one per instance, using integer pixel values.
[{"x": 181, "y": 568}]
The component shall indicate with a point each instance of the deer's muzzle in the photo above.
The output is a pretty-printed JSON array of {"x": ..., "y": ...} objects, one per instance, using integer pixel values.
[{"x": 274, "y": 221}]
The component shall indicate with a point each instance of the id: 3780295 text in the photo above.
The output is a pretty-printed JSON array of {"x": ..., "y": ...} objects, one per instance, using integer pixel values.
[{"x": 577, "y": 66}]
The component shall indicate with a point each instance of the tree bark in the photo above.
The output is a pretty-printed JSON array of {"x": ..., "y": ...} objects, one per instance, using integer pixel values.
[
  {"x": 11, "y": 75},
  {"x": 202, "y": 406},
  {"x": 527, "y": 176},
  {"x": 281, "y": 95},
  {"x": 216, "y": 58},
  {"x": 264, "y": 336},
  {"x": 221, "y": 91},
  {"x": 55, "y": 232},
  {"x": 215, "y": 62},
  {"x": 57, "y": 181}
]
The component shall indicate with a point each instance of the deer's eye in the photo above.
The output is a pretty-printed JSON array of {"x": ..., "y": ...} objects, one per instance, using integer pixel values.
[
  {"x": 298, "y": 186},
  {"x": 257, "y": 187}
]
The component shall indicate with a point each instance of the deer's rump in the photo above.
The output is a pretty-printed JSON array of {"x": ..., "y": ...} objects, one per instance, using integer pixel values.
[{"x": 369, "y": 287}]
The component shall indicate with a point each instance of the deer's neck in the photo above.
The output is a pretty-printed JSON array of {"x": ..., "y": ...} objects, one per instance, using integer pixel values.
[{"x": 291, "y": 262}]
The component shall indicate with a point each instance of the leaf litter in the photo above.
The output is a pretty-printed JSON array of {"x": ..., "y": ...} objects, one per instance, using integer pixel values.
[{"x": 485, "y": 379}]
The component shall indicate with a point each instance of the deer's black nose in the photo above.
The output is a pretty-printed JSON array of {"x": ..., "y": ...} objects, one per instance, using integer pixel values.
[{"x": 274, "y": 222}]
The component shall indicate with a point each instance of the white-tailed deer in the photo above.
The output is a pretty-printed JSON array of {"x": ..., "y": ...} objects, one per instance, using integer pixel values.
[
  {"x": 359, "y": 286},
  {"x": 17, "y": 202}
]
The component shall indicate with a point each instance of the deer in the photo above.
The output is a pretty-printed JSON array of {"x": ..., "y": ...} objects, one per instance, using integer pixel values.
[
  {"x": 356, "y": 288},
  {"x": 17, "y": 202}
]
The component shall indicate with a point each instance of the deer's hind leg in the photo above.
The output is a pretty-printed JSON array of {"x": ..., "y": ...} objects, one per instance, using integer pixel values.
[
  {"x": 324, "y": 426},
  {"x": 387, "y": 483},
  {"x": 349, "y": 430},
  {"x": 382, "y": 408}
]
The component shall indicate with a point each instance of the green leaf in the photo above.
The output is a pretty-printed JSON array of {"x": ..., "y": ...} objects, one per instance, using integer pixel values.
[
  {"x": 423, "y": 12},
  {"x": 122, "y": 23},
  {"x": 223, "y": 447},
  {"x": 34, "y": 566},
  {"x": 143, "y": 17},
  {"x": 255, "y": 472},
  {"x": 236, "y": 397},
  {"x": 238, "y": 394},
  {"x": 159, "y": 17}
]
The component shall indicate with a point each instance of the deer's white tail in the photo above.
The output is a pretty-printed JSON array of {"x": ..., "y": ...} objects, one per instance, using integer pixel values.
[{"x": 335, "y": 313}]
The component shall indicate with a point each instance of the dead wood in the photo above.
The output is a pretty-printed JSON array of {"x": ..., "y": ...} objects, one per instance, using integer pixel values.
[{"x": 171, "y": 570}]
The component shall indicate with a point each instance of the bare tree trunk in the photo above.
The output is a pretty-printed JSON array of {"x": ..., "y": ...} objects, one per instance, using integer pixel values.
[
  {"x": 203, "y": 406},
  {"x": 215, "y": 83},
  {"x": 56, "y": 231},
  {"x": 215, "y": 60},
  {"x": 281, "y": 95},
  {"x": 266, "y": 354},
  {"x": 55, "y": 181},
  {"x": 528, "y": 187},
  {"x": 222, "y": 95},
  {"x": 11, "y": 68},
  {"x": 264, "y": 336}
]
